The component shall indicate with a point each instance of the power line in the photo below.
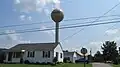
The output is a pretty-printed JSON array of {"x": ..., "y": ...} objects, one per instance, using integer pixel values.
[
  {"x": 109, "y": 28},
  {"x": 77, "y": 23},
  {"x": 92, "y": 22},
  {"x": 68, "y": 27},
  {"x": 17, "y": 25}
]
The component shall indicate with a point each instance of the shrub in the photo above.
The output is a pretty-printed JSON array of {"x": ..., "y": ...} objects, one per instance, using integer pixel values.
[
  {"x": 43, "y": 63},
  {"x": 55, "y": 60},
  {"x": 119, "y": 60},
  {"x": 21, "y": 60},
  {"x": 48, "y": 62},
  {"x": 37, "y": 63},
  {"x": 26, "y": 62},
  {"x": 66, "y": 60},
  {"x": 70, "y": 61},
  {"x": 115, "y": 61}
]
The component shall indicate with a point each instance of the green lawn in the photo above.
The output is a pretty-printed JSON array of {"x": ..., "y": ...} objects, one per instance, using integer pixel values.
[
  {"x": 32, "y": 65},
  {"x": 116, "y": 65}
]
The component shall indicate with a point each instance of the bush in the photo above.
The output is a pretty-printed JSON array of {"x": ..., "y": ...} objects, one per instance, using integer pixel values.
[
  {"x": 37, "y": 63},
  {"x": 115, "y": 62},
  {"x": 55, "y": 60},
  {"x": 43, "y": 63},
  {"x": 58, "y": 62},
  {"x": 53, "y": 64},
  {"x": 48, "y": 62},
  {"x": 119, "y": 60},
  {"x": 21, "y": 60},
  {"x": 66, "y": 60},
  {"x": 27, "y": 62},
  {"x": 70, "y": 61}
]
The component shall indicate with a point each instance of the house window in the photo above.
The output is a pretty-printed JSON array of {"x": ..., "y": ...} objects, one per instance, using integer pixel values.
[
  {"x": 46, "y": 54},
  {"x": 60, "y": 55},
  {"x": 28, "y": 54},
  {"x": 31, "y": 54},
  {"x": 43, "y": 54},
  {"x": 57, "y": 54},
  {"x": 16, "y": 54},
  {"x": 13, "y": 54}
]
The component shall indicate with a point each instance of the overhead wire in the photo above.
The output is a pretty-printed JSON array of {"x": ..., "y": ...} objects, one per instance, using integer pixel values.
[
  {"x": 75, "y": 24},
  {"x": 43, "y": 22},
  {"x": 91, "y": 22},
  {"x": 67, "y": 27}
]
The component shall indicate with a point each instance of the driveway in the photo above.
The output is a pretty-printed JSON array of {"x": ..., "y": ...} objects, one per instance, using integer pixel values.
[{"x": 100, "y": 65}]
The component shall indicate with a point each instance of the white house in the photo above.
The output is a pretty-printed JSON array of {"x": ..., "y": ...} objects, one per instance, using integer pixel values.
[
  {"x": 34, "y": 52},
  {"x": 72, "y": 56}
]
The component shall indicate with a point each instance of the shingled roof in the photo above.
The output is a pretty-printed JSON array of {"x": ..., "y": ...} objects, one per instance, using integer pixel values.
[
  {"x": 33, "y": 46},
  {"x": 68, "y": 53}
]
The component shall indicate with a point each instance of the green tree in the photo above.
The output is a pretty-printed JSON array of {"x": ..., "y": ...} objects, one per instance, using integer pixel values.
[
  {"x": 110, "y": 52},
  {"x": 119, "y": 50},
  {"x": 98, "y": 57}
]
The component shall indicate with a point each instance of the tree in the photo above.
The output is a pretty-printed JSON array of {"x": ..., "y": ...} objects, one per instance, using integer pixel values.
[
  {"x": 110, "y": 52},
  {"x": 90, "y": 58},
  {"x": 119, "y": 50},
  {"x": 98, "y": 57}
]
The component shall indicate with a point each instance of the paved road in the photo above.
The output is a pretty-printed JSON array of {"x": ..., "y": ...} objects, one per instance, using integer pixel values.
[{"x": 100, "y": 65}]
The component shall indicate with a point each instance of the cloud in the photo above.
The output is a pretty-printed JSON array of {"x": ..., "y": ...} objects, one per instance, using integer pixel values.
[
  {"x": 17, "y": 1},
  {"x": 95, "y": 46},
  {"x": 28, "y": 6},
  {"x": 30, "y": 18},
  {"x": 116, "y": 39},
  {"x": 22, "y": 17},
  {"x": 50, "y": 32},
  {"x": 11, "y": 40},
  {"x": 112, "y": 31}
]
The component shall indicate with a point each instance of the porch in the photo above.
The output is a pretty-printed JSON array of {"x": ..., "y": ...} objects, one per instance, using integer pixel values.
[{"x": 13, "y": 57}]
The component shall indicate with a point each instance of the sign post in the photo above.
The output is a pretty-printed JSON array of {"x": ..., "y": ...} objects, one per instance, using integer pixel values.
[
  {"x": 84, "y": 51},
  {"x": 57, "y": 16}
]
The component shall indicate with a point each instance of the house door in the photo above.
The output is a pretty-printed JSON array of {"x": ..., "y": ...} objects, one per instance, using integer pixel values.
[
  {"x": 57, "y": 55},
  {"x": 9, "y": 56}
]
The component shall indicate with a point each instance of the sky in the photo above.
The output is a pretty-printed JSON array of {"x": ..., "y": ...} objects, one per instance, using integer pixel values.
[{"x": 14, "y": 12}]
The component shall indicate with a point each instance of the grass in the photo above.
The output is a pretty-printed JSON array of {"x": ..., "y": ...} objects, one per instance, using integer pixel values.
[
  {"x": 116, "y": 65},
  {"x": 33, "y": 65}
]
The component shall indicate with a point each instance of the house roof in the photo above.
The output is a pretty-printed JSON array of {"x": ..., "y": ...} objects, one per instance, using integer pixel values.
[
  {"x": 33, "y": 46},
  {"x": 68, "y": 53}
]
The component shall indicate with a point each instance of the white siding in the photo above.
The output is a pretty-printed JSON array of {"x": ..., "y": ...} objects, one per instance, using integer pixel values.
[
  {"x": 15, "y": 60},
  {"x": 6, "y": 57},
  {"x": 38, "y": 57},
  {"x": 59, "y": 50},
  {"x": 72, "y": 57},
  {"x": 79, "y": 57}
]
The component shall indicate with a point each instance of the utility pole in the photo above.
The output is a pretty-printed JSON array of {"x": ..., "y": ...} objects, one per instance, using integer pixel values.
[{"x": 91, "y": 55}]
